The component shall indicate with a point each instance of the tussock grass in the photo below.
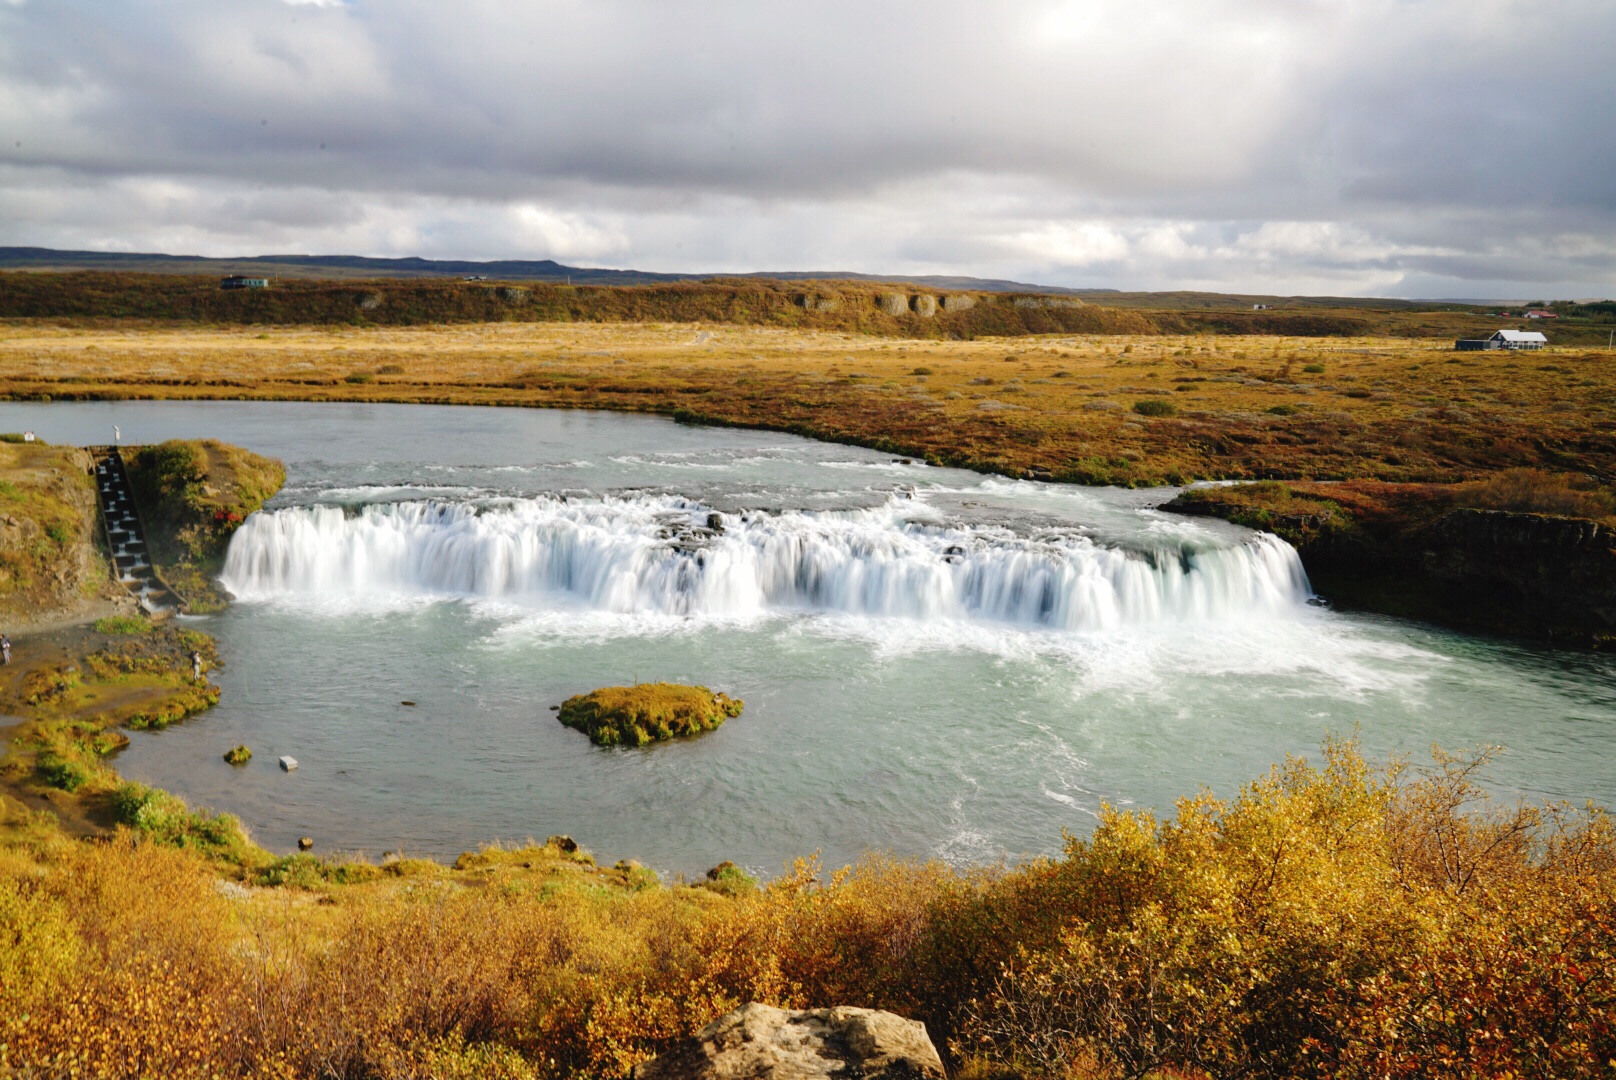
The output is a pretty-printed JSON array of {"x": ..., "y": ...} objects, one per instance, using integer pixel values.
[{"x": 1384, "y": 409}]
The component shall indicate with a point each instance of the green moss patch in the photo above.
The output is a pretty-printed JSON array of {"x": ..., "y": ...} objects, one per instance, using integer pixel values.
[
  {"x": 122, "y": 624},
  {"x": 648, "y": 712},
  {"x": 194, "y": 494}
]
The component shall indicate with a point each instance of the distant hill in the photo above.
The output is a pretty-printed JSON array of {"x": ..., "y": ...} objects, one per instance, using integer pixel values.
[
  {"x": 322, "y": 289},
  {"x": 353, "y": 267},
  {"x": 361, "y": 267}
]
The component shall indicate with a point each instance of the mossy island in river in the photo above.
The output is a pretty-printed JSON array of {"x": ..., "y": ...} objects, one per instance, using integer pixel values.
[{"x": 646, "y": 712}]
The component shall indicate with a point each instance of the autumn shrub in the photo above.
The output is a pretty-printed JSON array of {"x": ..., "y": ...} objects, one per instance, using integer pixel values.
[
  {"x": 1330, "y": 920},
  {"x": 136, "y": 976},
  {"x": 1154, "y": 407},
  {"x": 61, "y": 772},
  {"x": 1325, "y": 923},
  {"x": 1537, "y": 491},
  {"x": 39, "y": 948},
  {"x": 165, "y": 819}
]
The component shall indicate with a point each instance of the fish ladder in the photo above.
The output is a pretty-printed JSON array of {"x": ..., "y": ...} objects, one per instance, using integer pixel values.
[{"x": 126, "y": 537}]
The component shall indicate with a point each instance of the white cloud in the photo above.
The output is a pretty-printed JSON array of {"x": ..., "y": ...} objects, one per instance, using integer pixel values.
[
  {"x": 1072, "y": 244},
  {"x": 1235, "y": 143}
]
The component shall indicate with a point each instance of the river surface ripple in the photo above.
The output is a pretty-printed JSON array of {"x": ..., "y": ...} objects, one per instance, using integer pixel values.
[{"x": 935, "y": 663}]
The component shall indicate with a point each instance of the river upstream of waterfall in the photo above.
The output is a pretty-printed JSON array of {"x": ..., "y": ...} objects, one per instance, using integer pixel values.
[{"x": 935, "y": 663}]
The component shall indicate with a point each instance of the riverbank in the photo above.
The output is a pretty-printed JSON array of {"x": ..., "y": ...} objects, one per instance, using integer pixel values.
[
  {"x": 1334, "y": 919},
  {"x": 1524, "y": 552},
  {"x": 87, "y": 663},
  {"x": 1130, "y": 410}
]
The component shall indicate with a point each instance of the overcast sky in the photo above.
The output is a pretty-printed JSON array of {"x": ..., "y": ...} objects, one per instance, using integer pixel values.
[{"x": 1433, "y": 148}]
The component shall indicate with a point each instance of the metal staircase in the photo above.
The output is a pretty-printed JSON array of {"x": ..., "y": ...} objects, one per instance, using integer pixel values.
[{"x": 126, "y": 537}]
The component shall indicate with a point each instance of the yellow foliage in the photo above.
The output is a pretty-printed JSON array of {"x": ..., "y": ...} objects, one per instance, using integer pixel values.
[{"x": 1330, "y": 920}]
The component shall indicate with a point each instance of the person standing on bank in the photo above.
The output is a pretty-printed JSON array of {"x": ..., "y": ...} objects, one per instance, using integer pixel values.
[
  {"x": 5, "y": 648},
  {"x": 196, "y": 666}
]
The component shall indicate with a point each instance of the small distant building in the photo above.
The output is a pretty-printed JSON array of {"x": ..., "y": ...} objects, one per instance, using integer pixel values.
[
  {"x": 1503, "y": 339},
  {"x": 1534, "y": 314},
  {"x": 236, "y": 281},
  {"x": 1259, "y": 307}
]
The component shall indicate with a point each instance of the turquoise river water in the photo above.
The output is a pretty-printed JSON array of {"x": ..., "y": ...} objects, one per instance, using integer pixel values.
[{"x": 934, "y": 662}]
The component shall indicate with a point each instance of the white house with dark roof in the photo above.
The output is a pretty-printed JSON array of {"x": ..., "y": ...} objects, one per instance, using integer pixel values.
[{"x": 1503, "y": 339}]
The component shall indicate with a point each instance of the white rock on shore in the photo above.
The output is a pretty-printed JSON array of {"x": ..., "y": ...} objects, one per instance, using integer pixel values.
[{"x": 759, "y": 1042}]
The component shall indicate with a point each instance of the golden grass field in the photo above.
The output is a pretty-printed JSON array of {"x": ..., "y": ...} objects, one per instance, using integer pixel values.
[{"x": 1235, "y": 407}]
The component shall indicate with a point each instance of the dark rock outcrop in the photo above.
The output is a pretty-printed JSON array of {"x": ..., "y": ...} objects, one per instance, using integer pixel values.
[
  {"x": 1531, "y": 575},
  {"x": 1549, "y": 576},
  {"x": 758, "y": 1042}
]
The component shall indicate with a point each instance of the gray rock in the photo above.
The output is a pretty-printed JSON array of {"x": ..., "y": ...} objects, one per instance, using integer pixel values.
[
  {"x": 925, "y": 306},
  {"x": 958, "y": 302},
  {"x": 894, "y": 303},
  {"x": 758, "y": 1042},
  {"x": 820, "y": 301}
]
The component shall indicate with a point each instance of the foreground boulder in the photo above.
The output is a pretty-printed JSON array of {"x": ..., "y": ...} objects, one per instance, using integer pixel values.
[
  {"x": 758, "y": 1042},
  {"x": 646, "y": 712}
]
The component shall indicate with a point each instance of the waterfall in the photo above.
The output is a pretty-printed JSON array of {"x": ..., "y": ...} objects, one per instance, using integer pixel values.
[{"x": 673, "y": 556}]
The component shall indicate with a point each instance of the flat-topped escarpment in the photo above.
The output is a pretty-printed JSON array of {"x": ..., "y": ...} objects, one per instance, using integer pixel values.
[
  {"x": 646, "y": 712},
  {"x": 1524, "y": 552}
]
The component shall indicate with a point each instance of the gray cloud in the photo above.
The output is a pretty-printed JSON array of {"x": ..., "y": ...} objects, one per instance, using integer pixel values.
[{"x": 1457, "y": 146}]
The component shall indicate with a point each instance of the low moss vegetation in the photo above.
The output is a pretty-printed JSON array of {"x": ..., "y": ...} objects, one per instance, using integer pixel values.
[
  {"x": 194, "y": 495},
  {"x": 76, "y": 700},
  {"x": 123, "y": 624},
  {"x": 646, "y": 712},
  {"x": 238, "y": 755}
]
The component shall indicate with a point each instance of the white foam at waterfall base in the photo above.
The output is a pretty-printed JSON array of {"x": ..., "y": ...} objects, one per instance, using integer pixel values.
[{"x": 653, "y": 555}]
